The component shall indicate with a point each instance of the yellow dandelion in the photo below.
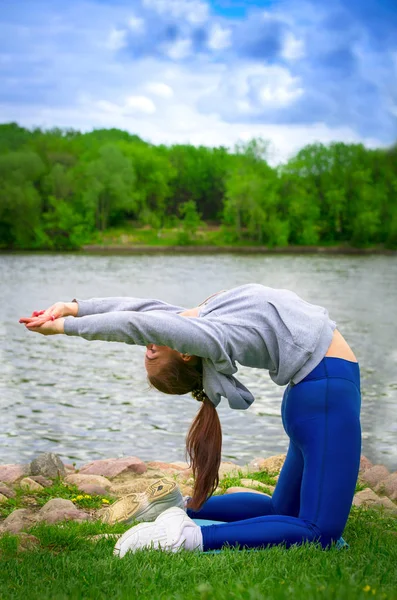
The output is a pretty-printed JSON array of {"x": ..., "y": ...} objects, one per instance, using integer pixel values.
[
  {"x": 105, "y": 501},
  {"x": 80, "y": 497},
  {"x": 87, "y": 496},
  {"x": 366, "y": 588}
]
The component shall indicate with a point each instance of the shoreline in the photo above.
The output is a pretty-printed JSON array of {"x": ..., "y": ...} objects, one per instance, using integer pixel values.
[{"x": 211, "y": 249}]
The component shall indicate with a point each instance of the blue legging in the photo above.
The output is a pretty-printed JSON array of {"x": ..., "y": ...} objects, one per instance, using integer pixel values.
[{"x": 314, "y": 492}]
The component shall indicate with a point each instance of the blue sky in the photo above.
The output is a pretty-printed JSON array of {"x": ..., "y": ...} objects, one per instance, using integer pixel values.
[{"x": 204, "y": 71}]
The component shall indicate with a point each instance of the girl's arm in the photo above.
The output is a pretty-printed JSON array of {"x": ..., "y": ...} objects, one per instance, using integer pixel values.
[
  {"x": 195, "y": 336},
  {"x": 96, "y": 306}
]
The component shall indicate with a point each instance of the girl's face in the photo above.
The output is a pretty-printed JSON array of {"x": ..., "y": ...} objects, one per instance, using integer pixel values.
[{"x": 157, "y": 356}]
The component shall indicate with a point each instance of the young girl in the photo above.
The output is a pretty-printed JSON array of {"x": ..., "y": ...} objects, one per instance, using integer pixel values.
[{"x": 196, "y": 351}]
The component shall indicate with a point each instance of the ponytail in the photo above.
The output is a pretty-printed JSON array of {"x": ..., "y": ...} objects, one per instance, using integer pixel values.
[
  {"x": 204, "y": 439},
  {"x": 203, "y": 446}
]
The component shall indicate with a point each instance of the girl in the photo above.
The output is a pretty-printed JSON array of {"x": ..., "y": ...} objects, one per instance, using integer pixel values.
[{"x": 196, "y": 351}]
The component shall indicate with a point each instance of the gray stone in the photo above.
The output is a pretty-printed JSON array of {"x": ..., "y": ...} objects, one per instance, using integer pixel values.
[
  {"x": 388, "y": 486},
  {"x": 250, "y": 483},
  {"x": 375, "y": 475},
  {"x": 59, "y": 509},
  {"x": 28, "y": 484},
  {"x": 6, "y": 491},
  {"x": 368, "y": 498},
  {"x": 42, "y": 480},
  {"x": 92, "y": 489},
  {"x": 365, "y": 464},
  {"x": 19, "y": 519},
  {"x": 79, "y": 479},
  {"x": 48, "y": 464},
  {"x": 11, "y": 473},
  {"x": 111, "y": 467},
  {"x": 273, "y": 464},
  {"x": 3, "y": 498}
]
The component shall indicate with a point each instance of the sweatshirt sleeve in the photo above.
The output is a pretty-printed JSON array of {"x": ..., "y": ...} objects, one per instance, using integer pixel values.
[
  {"x": 96, "y": 306},
  {"x": 191, "y": 335}
]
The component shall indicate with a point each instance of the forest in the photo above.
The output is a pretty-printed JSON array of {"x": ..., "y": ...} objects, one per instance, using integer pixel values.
[{"x": 62, "y": 189}]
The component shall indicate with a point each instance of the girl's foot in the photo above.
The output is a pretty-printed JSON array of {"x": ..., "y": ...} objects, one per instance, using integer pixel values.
[
  {"x": 172, "y": 530},
  {"x": 145, "y": 506}
]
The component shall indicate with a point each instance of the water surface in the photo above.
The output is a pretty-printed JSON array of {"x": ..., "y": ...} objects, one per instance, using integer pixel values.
[{"x": 89, "y": 400}]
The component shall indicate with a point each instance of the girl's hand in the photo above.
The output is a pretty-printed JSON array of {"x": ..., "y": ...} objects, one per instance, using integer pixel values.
[
  {"x": 57, "y": 310},
  {"x": 48, "y": 328}
]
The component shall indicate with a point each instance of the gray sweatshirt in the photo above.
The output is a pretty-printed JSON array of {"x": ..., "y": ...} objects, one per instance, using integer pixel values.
[{"x": 252, "y": 325}]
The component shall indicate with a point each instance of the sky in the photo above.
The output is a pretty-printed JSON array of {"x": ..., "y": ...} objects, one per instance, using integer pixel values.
[{"x": 209, "y": 72}]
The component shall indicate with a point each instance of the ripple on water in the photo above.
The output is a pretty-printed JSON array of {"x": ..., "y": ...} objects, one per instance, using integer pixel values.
[{"x": 87, "y": 400}]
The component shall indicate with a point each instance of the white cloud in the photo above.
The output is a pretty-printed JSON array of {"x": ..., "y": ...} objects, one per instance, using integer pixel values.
[
  {"x": 160, "y": 89},
  {"x": 180, "y": 49},
  {"x": 219, "y": 38},
  {"x": 116, "y": 39},
  {"x": 280, "y": 88},
  {"x": 136, "y": 24},
  {"x": 140, "y": 104},
  {"x": 194, "y": 11},
  {"x": 293, "y": 48}
]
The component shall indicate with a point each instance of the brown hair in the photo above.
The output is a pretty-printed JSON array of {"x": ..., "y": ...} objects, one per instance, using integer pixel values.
[{"x": 204, "y": 439}]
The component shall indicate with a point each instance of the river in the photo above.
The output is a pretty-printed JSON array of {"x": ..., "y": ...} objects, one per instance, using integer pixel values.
[{"x": 89, "y": 400}]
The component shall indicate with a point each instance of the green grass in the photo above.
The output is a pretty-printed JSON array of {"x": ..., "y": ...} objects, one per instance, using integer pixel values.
[
  {"x": 28, "y": 499},
  {"x": 67, "y": 566},
  {"x": 262, "y": 477}
]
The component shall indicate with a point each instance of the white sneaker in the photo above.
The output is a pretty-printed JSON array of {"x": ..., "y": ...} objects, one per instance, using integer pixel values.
[
  {"x": 145, "y": 506},
  {"x": 170, "y": 532}
]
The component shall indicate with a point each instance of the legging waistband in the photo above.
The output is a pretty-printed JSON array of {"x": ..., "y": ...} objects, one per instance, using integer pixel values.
[{"x": 335, "y": 367}]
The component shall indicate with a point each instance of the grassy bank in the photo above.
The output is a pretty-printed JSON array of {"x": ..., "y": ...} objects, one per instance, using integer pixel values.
[
  {"x": 206, "y": 239},
  {"x": 64, "y": 564},
  {"x": 67, "y": 566}
]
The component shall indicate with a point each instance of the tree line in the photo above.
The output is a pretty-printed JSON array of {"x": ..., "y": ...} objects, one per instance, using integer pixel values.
[{"x": 59, "y": 187}]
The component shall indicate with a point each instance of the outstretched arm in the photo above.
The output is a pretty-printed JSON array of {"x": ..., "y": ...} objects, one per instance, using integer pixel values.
[
  {"x": 96, "y": 306},
  {"x": 203, "y": 337}
]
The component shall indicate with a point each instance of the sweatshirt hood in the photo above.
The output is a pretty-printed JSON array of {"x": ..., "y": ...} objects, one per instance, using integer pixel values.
[{"x": 217, "y": 384}]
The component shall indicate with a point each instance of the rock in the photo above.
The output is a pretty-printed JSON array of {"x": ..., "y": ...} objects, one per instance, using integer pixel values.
[
  {"x": 59, "y": 509},
  {"x": 184, "y": 476},
  {"x": 237, "y": 490},
  {"x": 388, "y": 486},
  {"x": 229, "y": 468},
  {"x": 48, "y": 464},
  {"x": 375, "y": 475},
  {"x": 365, "y": 464},
  {"x": 19, "y": 519},
  {"x": 112, "y": 467},
  {"x": 253, "y": 483},
  {"x": 6, "y": 491},
  {"x": 41, "y": 480},
  {"x": 70, "y": 467},
  {"x": 92, "y": 489},
  {"x": 134, "y": 486},
  {"x": 29, "y": 484},
  {"x": 273, "y": 464},
  {"x": 27, "y": 542},
  {"x": 181, "y": 463},
  {"x": 11, "y": 473},
  {"x": 186, "y": 490},
  {"x": 3, "y": 498},
  {"x": 368, "y": 498},
  {"x": 78, "y": 480},
  {"x": 165, "y": 468}
]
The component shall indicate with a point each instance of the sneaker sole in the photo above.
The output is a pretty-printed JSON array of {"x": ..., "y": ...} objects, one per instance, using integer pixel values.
[{"x": 145, "y": 506}]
